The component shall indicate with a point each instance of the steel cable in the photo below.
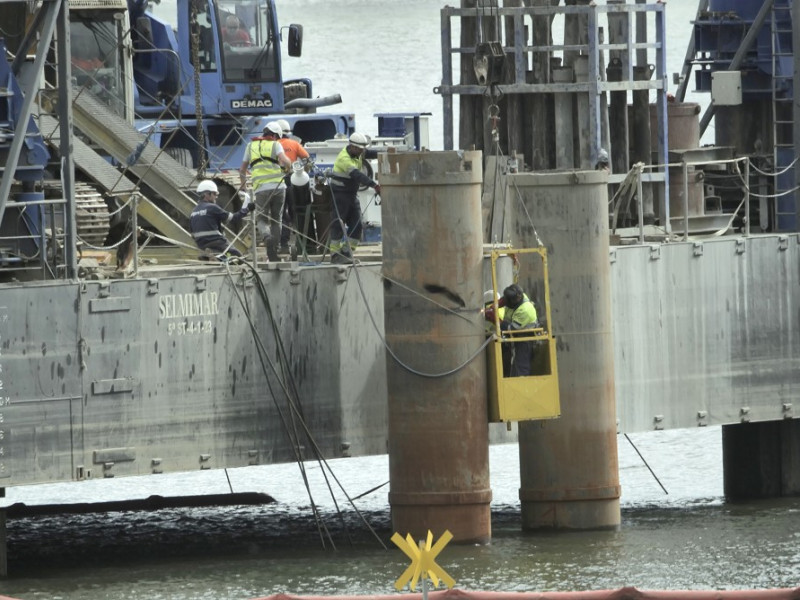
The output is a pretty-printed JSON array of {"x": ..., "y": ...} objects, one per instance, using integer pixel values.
[{"x": 291, "y": 393}]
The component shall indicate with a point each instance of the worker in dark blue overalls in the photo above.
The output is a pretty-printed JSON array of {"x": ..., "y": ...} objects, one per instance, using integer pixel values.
[{"x": 208, "y": 218}]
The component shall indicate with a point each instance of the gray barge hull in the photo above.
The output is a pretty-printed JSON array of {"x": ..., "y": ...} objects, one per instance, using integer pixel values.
[{"x": 162, "y": 373}]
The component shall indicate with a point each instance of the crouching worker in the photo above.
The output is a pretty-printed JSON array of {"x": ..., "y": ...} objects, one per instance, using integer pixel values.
[
  {"x": 207, "y": 220},
  {"x": 517, "y": 312}
]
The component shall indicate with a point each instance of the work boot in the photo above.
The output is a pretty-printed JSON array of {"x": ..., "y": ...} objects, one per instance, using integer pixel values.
[{"x": 272, "y": 254}]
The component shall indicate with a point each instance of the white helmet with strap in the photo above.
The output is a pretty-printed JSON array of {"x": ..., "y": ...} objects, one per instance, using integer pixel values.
[
  {"x": 207, "y": 186},
  {"x": 359, "y": 139}
]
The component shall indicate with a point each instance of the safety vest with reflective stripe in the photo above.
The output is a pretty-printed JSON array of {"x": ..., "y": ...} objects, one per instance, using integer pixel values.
[
  {"x": 343, "y": 175},
  {"x": 264, "y": 167},
  {"x": 522, "y": 317}
]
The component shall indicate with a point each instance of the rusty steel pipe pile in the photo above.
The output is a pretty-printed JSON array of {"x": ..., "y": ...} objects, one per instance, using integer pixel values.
[
  {"x": 568, "y": 466},
  {"x": 433, "y": 268}
]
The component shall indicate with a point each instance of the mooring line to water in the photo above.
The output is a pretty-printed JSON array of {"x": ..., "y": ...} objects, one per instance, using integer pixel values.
[
  {"x": 377, "y": 487},
  {"x": 228, "y": 477},
  {"x": 645, "y": 464}
]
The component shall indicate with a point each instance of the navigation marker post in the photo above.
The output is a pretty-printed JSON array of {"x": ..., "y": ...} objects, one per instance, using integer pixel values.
[{"x": 423, "y": 562}]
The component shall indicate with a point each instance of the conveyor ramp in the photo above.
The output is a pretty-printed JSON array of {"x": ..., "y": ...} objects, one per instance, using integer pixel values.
[
  {"x": 109, "y": 179},
  {"x": 164, "y": 175}
]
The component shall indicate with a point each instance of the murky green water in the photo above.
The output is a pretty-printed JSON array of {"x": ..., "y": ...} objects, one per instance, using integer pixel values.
[{"x": 687, "y": 539}]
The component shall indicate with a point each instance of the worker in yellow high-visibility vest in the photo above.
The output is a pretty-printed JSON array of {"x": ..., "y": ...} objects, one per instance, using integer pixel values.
[{"x": 267, "y": 162}]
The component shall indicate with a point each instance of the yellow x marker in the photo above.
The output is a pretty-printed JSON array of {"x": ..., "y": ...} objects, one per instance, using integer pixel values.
[{"x": 423, "y": 560}]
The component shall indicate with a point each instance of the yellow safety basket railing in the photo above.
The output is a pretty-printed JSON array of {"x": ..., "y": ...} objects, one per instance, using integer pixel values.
[{"x": 534, "y": 396}]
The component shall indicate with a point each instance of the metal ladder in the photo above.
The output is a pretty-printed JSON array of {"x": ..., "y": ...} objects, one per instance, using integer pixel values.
[{"x": 785, "y": 215}]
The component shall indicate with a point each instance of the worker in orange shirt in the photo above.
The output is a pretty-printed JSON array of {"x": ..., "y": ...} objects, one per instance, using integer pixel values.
[{"x": 295, "y": 196}]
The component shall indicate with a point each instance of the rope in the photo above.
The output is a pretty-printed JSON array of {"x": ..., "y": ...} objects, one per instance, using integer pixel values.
[
  {"x": 288, "y": 387},
  {"x": 112, "y": 247},
  {"x": 291, "y": 432},
  {"x": 377, "y": 329},
  {"x": 774, "y": 173},
  {"x": 625, "y": 192},
  {"x": 778, "y": 195},
  {"x": 494, "y": 116}
]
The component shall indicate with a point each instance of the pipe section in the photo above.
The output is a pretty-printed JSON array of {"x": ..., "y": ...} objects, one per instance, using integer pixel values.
[
  {"x": 433, "y": 266},
  {"x": 568, "y": 466}
]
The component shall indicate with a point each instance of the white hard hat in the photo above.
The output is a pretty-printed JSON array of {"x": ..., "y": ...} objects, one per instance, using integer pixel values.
[
  {"x": 359, "y": 139},
  {"x": 286, "y": 129},
  {"x": 207, "y": 186},
  {"x": 489, "y": 296},
  {"x": 602, "y": 156},
  {"x": 273, "y": 127}
]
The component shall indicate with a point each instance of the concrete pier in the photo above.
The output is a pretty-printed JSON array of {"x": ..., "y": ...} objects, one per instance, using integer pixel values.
[{"x": 433, "y": 270}]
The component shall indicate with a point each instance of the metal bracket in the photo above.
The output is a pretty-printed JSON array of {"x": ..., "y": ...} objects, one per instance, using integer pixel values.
[
  {"x": 744, "y": 414},
  {"x": 658, "y": 422},
  {"x": 294, "y": 277},
  {"x": 787, "y": 410},
  {"x": 655, "y": 252},
  {"x": 152, "y": 287},
  {"x": 103, "y": 289},
  {"x": 612, "y": 255},
  {"x": 740, "y": 246},
  {"x": 252, "y": 457},
  {"x": 200, "y": 283},
  {"x": 204, "y": 460},
  {"x": 155, "y": 463},
  {"x": 783, "y": 242},
  {"x": 697, "y": 249},
  {"x": 701, "y": 418}
]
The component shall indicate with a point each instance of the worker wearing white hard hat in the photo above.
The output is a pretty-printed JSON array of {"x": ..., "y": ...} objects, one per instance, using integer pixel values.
[
  {"x": 265, "y": 159},
  {"x": 602, "y": 161},
  {"x": 286, "y": 129},
  {"x": 347, "y": 177},
  {"x": 207, "y": 219}
]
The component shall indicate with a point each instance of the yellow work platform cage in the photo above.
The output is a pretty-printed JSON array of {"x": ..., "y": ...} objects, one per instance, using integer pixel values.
[{"x": 526, "y": 397}]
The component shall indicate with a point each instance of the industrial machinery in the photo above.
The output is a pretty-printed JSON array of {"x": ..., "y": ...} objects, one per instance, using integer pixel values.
[
  {"x": 22, "y": 231},
  {"x": 744, "y": 58},
  {"x": 204, "y": 82}
]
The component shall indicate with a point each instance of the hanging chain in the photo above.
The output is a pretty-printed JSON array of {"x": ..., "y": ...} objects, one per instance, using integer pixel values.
[
  {"x": 494, "y": 120},
  {"x": 198, "y": 98}
]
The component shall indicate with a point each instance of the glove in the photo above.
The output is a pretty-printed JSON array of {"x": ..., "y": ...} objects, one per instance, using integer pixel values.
[
  {"x": 251, "y": 206},
  {"x": 378, "y": 188},
  {"x": 245, "y": 198}
]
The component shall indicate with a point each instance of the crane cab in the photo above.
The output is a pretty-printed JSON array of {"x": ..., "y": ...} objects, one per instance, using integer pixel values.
[
  {"x": 533, "y": 395},
  {"x": 100, "y": 52}
]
